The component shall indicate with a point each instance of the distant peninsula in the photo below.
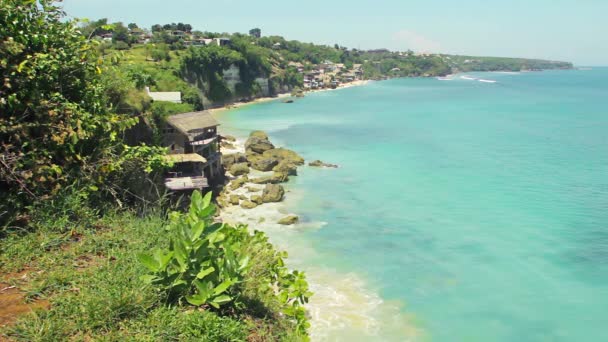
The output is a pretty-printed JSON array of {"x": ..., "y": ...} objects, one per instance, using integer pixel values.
[{"x": 213, "y": 69}]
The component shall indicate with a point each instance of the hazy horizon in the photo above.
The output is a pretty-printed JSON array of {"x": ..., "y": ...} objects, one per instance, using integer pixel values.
[{"x": 556, "y": 30}]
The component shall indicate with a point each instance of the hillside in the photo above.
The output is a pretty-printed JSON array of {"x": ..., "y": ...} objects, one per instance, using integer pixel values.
[{"x": 224, "y": 67}]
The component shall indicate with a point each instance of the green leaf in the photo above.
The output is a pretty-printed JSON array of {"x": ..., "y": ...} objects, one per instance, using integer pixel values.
[
  {"x": 197, "y": 230},
  {"x": 202, "y": 274},
  {"x": 221, "y": 288},
  {"x": 219, "y": 300},
  {"x": 148, "y": 279},
  {"x": 197, "y": 299},
  {"x": 149, "y": 262},
  {"x": 207, "y": 200}
]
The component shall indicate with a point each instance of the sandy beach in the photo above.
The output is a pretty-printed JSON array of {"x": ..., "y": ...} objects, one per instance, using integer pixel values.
[{"x": 228, "y": 107}]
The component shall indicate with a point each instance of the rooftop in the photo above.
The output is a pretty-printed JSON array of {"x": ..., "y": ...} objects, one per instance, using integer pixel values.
[
  {"x": 169, "y": 96},
  {"x": 193, "y": 123},
  {"x": 185, "y": 158}
]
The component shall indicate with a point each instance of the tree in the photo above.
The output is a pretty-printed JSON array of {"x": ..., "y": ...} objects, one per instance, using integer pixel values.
[
  {"x": 255, "y": 32},
  {"x": 120, "y": 33},
  {"x": 156, "y": 28},
  {"x": 132, "y": 26},
  {"x": 56, "y": 131}
]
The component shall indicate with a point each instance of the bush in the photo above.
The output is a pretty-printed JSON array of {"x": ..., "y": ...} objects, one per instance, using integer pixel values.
[{"x": 206, "y": 264}]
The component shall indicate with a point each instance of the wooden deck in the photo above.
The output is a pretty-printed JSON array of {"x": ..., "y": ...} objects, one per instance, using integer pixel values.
[{"x": 186, "y": 183}]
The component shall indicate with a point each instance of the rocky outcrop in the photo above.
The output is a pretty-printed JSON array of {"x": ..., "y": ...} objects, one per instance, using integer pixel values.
[
  {"x": 258, "y": 134},
  {"x": 283, "y": 154},
  {"x": 275, "y": 178},
  {"x": 318, "y": 163},
  {"x": 258, "y": 143},
  {"x": 229, "y": 159},
  {"x": 237, "y": 183},
  {"x": 227, "y": 137},
  {"x": 287, "y": 167},
  {"x": 257, "y": 199},
  {"x": 289, "y": 220},
  {"x": 248, "y": 205},
  {"x": 260, "y": 163},
  {"x": 234, "y": 199},
  {"x": 239, "y": 169},
  {"x": 273, "y": 193}
]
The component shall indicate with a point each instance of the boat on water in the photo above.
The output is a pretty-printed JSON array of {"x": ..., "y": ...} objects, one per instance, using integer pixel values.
[
  {"x": 468, "y": 78},
  {"x": 445, "y": 78},
  {"x": 486, "y": 81}
]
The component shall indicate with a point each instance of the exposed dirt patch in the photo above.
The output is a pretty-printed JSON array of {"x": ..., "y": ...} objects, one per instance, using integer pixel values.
[{"x": 13, "y": 304}]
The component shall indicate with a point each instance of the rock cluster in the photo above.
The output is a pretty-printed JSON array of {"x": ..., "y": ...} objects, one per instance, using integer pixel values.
[
  {"x": 289, "y": 220},
  {"x": 318, "y": 163},
  {"x": 260, "y": 155}
]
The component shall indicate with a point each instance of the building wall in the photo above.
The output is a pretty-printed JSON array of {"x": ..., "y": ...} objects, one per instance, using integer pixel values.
[
  {"x": 232, "y": 76},
  {"x": 264, "y": 85}
]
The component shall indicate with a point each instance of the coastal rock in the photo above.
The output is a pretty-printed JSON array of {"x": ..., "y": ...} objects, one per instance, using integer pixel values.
[
  {"x": 273, "y": 193},
  {"x": 279, "y": 177},
  {"x": 221, "y": 201},
  {"x": 229, "y": 138},
  {"x": 258, "y": 142},
  {"x": 286, "y": 167},
  {"x": 257, "y": 199},
  {"x": 262, "y": 164},
  {"x": 258, "y": 145},
  {"x": 239, "y": 169},
  {"x": 229, "y": 159},
  {"x": 237, "y": 183},
  {"x": 253, "y": 189},
  {"x": 248, "y": 205},
  {"x": 318, "y": 163},
  {"x": 289, "y": 220},
  {"x": 228, "y": 145},
  {"x": 261, "y": 180},
  {"x": 258, "y": 134},
  {"x": 283, "y": 154},
  {"x": 234, "y": 199},
  {"x": 243, "y": 198}
]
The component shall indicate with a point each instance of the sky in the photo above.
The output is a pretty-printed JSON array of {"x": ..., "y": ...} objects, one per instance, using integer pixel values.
[{"x": 566, "y": 30}]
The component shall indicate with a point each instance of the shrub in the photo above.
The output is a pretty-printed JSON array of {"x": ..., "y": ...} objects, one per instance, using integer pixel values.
[{"x": 206, "y": 264}]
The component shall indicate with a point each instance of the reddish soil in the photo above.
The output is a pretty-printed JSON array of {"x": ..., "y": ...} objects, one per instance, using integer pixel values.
[{"x": 12, "y": 300}]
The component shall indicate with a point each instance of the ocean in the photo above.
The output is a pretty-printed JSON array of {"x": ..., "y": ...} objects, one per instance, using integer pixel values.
[{"x": 461, "y": 211}]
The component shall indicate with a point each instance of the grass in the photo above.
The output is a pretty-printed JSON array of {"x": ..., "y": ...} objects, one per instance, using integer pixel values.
[{"x": 87, "y": 268}]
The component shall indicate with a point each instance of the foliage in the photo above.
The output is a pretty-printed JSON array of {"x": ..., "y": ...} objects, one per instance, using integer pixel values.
[
  {"x": 55, "y": 127},
  {"x": 255, "y": 32},
  {"x": 206, "y": 264},
  {"x": 205, "y": 68},
  {"x": 470, "y": 63}
]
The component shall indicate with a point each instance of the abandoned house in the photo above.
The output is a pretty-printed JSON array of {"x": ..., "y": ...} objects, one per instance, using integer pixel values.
[{"x": 193, "y": 146}]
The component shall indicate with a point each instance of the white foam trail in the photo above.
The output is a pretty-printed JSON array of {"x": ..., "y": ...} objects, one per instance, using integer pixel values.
[{"x": 486, "y": 81}]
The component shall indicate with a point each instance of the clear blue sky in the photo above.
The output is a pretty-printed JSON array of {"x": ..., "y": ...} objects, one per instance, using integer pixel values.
[{"x": 570, "y": 30}]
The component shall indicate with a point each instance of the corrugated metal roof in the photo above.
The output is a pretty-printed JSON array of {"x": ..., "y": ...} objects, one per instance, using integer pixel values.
[
  {"x": 167, "y": 96},
  {"x": 192, "y": 123}
]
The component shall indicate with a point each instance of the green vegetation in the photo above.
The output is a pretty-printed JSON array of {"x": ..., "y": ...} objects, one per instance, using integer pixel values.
[
  {"x": 470, "y": 63},
  {"x": 88, "y": 268},
  {"x": 81, "y": 209}
]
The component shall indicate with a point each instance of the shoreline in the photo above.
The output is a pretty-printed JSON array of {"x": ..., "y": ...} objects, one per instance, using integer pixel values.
[
  {"x": 236, "y": 105},
  {"x": 341, "y": 298}
]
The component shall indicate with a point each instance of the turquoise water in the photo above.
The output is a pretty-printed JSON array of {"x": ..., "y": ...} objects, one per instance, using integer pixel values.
[{"x": 481, "y": 209}]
